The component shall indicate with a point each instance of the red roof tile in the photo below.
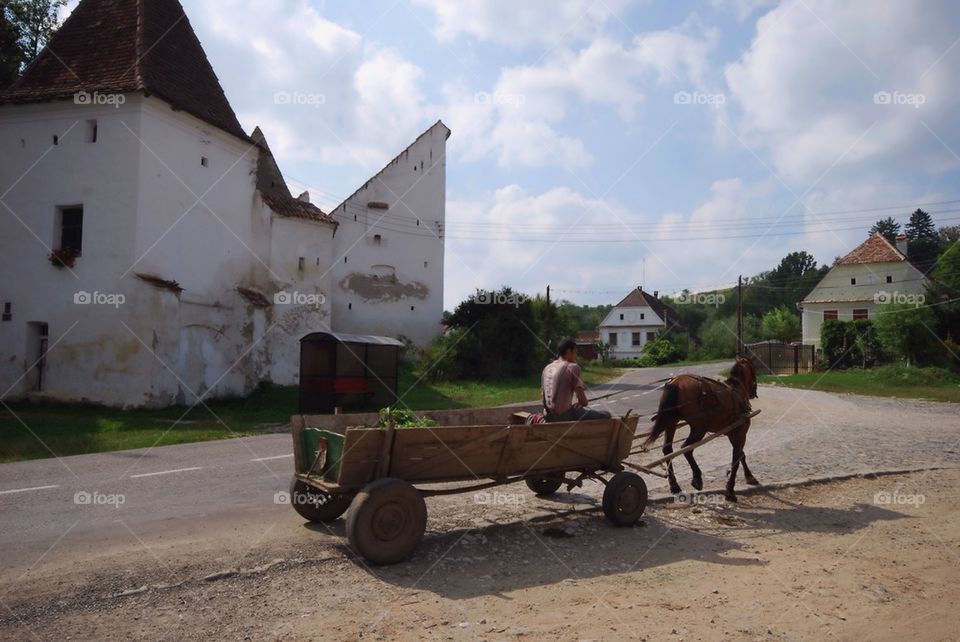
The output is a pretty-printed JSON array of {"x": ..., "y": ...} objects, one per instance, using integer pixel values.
[
  {"x": 120, "y": 46},
  {"x": 876, "y": 249}
]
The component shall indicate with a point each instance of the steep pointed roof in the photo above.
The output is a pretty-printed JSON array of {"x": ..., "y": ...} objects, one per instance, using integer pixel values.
[
  {"x": 121, "y": 46},
  {"x": 876, "y": 249},
  {"x": 638, "y": 298},
  {"x": 274, "y": 190}
]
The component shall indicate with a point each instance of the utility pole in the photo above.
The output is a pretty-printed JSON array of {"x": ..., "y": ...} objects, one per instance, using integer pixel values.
[
  {"x": 547, "y": 324},
  {"x": 739, "y": 316}
]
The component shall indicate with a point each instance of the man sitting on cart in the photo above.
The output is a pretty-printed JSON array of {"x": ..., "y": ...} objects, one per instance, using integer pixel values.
[{"x": 560, "y": 383}]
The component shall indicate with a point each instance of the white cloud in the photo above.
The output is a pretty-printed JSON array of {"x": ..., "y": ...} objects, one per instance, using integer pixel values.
[
  {"x": 521, "y": 119},
  {"x": 342, "y": 99},
  {"x": 807, "y": 86},
  {"x": 549, "y": 23}
]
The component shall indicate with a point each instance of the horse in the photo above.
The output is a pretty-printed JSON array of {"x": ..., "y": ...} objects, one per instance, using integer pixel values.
[{"x": 707, "y": 405}]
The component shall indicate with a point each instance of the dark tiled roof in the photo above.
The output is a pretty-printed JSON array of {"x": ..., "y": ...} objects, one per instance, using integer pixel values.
[
  {"x": 120, "y": 46},
  {"x": 638, "y": 298},
  {"x": 876, "y": 249},
  {"x": 587, "y": 336},
  {"x": 274, "y": 191}
]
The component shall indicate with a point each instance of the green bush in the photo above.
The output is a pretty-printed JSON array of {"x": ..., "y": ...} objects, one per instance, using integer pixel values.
[
  {"x": 850, "y": 344},
  {"x": 403, "y": 418},
  {"x": 910, "y": 376}
]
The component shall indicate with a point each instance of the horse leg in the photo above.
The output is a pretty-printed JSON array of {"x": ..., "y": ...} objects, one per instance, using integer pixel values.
[
  {"x": 697, "y": 481},
  {"x": 736, "y": 441},
  {"x": 746, "y": 471},
  {"x": 668, "y": 449}
]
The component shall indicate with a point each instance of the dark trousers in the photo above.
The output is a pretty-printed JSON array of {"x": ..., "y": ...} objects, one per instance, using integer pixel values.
[{"x": 577, "y": 414}]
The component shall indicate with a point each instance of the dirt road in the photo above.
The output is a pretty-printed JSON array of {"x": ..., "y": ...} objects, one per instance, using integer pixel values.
[{"x": 859, "y": 559}]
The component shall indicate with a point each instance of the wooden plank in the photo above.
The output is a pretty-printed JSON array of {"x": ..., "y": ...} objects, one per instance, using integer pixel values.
[
  {"x": 386, "y": 448},
  {"x": 361, "y": 454},
  {"x": 455, "y": 452},
  {"x": 513, "y": 443}
]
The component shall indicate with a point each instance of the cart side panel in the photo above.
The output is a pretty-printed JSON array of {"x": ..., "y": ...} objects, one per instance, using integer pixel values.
[
  {"x": 361, "y": 454},
  {"x": 565, "y": 446},
  {"x": 626, "y": 438},
  {"x": 448, "y": 453}
]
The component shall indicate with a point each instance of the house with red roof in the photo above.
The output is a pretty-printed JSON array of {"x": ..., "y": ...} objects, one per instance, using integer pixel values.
[
  {"x": 635, "y": 321},
  {"x": 860, "y": 284},
  {"x": 151, "y": 249}
]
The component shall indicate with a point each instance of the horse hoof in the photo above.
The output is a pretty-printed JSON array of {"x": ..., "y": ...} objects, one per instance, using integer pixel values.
[
  {"x": 697, "y": 483},
  {"x": 753, "y": 481},
  {"x": 675, "y": 490},
  {"x": 730, "y": 497}
]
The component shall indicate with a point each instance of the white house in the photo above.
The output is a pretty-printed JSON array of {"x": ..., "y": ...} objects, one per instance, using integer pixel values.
[
  {"x": 191, "y": 268},
  {"x": 638, "y": 319},
  {"x": 861, "y": 283}
]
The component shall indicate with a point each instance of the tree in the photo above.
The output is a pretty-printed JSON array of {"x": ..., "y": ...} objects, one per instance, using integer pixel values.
[
  {"x": 12, "y": 55},
  {"x": 36, "y": 21},
  {"x": 906, "y": 332},
  {"x": 920, "y": 226},
  {"x": 944, "y": 286},
  {"x": 888, "y": 227},
  {"x": 780, "y": 324},
  {"x": 949, "y": 234}
]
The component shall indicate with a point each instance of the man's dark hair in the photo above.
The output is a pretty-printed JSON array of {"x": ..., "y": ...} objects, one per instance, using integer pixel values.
[{"x": 566, "y": 346}]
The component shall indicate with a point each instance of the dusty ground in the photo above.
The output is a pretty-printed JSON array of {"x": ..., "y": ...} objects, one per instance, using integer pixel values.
[{"x": 859, "y": 559}]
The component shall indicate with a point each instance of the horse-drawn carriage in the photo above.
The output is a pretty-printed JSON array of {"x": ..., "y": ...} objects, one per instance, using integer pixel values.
[{"x": 382, "y": 475}]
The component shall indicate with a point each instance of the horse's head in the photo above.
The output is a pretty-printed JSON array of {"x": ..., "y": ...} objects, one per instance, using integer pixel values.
[{"x": 743, "y": 371}]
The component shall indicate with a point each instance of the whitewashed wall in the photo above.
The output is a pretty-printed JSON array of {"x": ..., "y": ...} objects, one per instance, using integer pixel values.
[{"x": 414, "y": 187}]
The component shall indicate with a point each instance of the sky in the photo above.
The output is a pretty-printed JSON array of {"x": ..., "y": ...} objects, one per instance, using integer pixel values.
[{"x": 599, "y": 145}]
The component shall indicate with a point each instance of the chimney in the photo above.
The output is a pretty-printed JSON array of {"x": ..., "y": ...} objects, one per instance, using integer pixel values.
[
  {"x": 902, "y": 244},
  {"x": 305, "y": 197}
]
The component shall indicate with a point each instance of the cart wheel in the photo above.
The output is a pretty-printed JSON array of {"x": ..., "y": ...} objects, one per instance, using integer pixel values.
[
  {"x": 624, "y": 499},
  {"x": 387, "y": 521},
  {"x": 315, "y": 505},
  {"x": 544, "y": 485}
]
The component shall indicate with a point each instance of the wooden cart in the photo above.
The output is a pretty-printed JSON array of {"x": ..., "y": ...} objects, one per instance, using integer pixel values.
[{"x": 383, "y": 474}]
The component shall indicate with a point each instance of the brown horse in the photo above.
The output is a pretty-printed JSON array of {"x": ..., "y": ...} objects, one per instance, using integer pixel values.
[{"x": 708, "y": 406}]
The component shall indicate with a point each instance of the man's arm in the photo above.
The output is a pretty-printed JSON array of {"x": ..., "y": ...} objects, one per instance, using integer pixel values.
[{"x": 578, "y": 386}]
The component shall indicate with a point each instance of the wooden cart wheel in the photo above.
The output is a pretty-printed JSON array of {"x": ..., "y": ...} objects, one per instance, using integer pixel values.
[
  {"x": 544, "y": 485},
  {"x": 315, "y": 505},
  {"x": 625, "y": 498},
  {"x": 387, "y": 521}
]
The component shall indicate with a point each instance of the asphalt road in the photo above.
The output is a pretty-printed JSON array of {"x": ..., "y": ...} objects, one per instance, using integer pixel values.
[{"x": 57, "y": 510}]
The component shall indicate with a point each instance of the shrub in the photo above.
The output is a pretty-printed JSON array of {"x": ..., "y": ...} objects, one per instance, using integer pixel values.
[{"x": 848, "y": 344}]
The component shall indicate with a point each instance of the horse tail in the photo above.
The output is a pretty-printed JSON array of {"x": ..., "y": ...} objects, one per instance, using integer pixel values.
[{"x": 667, "y": 414}]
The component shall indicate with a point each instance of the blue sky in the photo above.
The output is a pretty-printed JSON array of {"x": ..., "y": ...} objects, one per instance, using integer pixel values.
[{"x": 572, "y": 125}]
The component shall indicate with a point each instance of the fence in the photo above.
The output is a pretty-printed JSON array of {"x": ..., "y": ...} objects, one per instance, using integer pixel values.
[{"x": 774, "y": 357}]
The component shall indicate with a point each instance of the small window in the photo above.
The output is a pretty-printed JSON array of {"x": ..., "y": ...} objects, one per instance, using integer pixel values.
[
  {"x": 621, "y": 317},
  {"x": 426, "y": 264},
  {"x": 829, "y": 315},
  {"x": 301, "y": 264},
  {"x": 862, "y": 313},
  {"x": 204, "y": 161},
  {"x": 643, "y": 316},
  {"x": 889, "y": 279},
  {"x": 412, "y": 308},
  {"x": 636, "y": 338},
  {"x": 377, "y": 239},
  {"x": 853, "y": 281},
  {"x": 56, "y": 139},
  {"x": 651, "y": 336},
  {"x": 349, "y": 306},
  {"x": 7, "y": 311},
  {"x": 71, "y": 228},
  {"x": 613, "y": 339},
  {"x": 92, "y": 131},
  {"x": 344, "y": 259}
]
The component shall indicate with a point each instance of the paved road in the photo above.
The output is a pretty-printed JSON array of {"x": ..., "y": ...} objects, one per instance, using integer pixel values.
[{"x": 148, "y": 498}]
